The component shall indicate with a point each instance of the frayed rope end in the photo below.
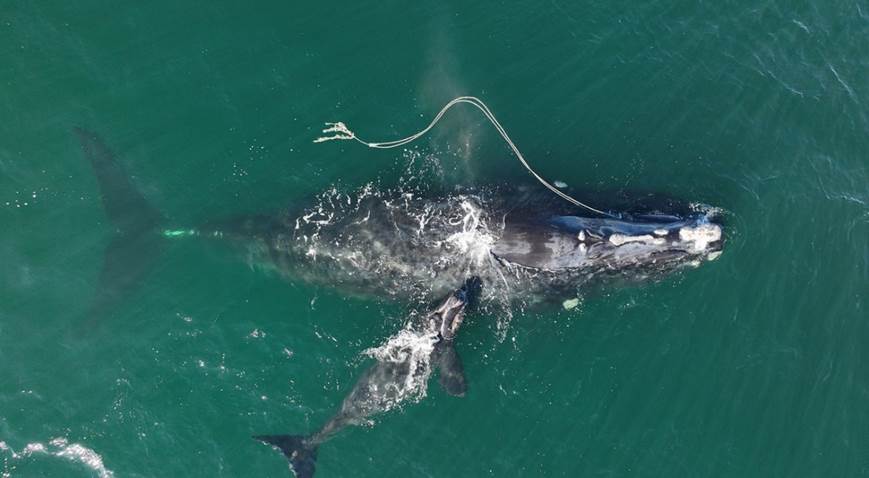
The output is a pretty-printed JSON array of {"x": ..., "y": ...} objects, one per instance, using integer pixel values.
[{"x": 342, "y": 133}]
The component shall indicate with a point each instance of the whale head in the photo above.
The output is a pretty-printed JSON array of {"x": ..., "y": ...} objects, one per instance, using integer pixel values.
[
  {"x": 448, "y": 316},
  {"x": 642, "y": 244}
]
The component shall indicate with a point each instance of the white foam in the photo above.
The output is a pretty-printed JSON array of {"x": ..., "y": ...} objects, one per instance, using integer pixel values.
[
  {"x": 61, "y": 448},
  {"x": 458, "y": 233},
  {"x": 81, "y": 454},
  {"x": 413, "y": 348},
  {"x": 473, "y": 240},
  {"x": 32, "y": 448}
]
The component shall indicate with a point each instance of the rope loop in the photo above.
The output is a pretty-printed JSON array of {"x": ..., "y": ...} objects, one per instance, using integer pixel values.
[{"x": 343, "y": 133}]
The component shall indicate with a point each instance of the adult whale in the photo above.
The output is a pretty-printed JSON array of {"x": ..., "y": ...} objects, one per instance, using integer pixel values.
[
  {"x": 526, "y": 246},
  {"x": 400, "y": 373}
]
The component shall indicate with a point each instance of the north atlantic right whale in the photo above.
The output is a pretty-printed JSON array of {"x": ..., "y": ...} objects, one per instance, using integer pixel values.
[
  {"x": 400, "y": 374},
  {"x": 527, "y": 246}
]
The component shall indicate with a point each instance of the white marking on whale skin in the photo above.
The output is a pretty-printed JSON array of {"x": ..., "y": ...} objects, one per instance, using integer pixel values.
[
  {"x": 619, "y": 239},
  {"x": 560, "y": 184},
  {"x": 701, "y": 235}
]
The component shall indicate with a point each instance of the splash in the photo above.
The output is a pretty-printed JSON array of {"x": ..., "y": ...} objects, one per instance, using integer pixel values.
[
  {"x": 474, "y": 240},
  {"x": 57, "y": 447},
  {"x": 410, "y": 349},
  {"x": 451, "y": 236}
]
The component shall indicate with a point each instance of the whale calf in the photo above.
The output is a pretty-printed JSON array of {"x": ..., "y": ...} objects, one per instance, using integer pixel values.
[{"x": 400, "y": 373}]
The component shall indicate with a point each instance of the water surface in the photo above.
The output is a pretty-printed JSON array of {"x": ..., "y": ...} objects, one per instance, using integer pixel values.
[{"x": 753, "y": 365}]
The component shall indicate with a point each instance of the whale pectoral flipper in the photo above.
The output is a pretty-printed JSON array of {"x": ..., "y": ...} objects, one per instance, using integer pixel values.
[
  {"x": 302, "y": 455},
  {"x": 133, "y": 250},
  {"x": 452, "y": 373}
]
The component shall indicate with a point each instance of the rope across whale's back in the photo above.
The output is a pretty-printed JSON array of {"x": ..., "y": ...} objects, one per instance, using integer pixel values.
[{"x": 341, "y": 132}]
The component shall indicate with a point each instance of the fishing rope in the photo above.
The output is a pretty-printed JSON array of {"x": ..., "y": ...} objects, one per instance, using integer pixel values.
[{"x": 343, "y": 133}]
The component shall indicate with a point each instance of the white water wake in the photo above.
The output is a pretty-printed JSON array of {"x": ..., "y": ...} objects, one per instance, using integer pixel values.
[
  {"x": 412, "y": 349},
  {"x": 57, "y": 447}
]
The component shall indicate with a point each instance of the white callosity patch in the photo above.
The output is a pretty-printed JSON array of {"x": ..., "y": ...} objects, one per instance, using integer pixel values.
[
  {"x": 619, "y": 239},
  {"x": 61, "y": 448},
  {"x": 700, "y": 235}
]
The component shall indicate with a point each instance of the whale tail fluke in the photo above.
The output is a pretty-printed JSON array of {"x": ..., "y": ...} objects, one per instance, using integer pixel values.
[
  {"x": 133, "y": 250},
  {"x": 126, "y": 207},
  {"x": 297, "y": 449}
]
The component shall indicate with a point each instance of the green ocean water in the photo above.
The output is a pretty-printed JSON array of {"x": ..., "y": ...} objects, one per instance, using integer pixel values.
[{"x": 752, "y": 365}]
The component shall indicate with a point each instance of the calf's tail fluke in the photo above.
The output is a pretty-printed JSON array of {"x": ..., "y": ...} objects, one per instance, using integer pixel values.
[
  {"x": 136, "y": 244},
  {"x": 302, "y": 455}
]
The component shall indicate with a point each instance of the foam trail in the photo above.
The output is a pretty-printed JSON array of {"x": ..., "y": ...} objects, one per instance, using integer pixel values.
[
  {"x": 413, "y": 348},
  {"x": 57, "y": 447},
  {"x": 473, "y": 241}
]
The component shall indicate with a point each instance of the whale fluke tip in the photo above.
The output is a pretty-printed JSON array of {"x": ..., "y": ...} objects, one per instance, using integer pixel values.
[{"x": 302, "y": 455}]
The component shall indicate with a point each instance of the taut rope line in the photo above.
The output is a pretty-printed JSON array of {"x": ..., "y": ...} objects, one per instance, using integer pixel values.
[{"x": 343, "y": 133}]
